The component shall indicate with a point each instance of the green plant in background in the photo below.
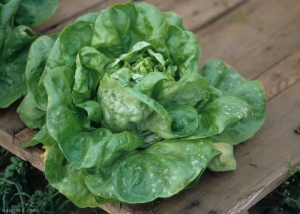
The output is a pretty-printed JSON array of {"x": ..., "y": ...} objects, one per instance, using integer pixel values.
[
  {"x": 289, "y": 192},
  {"x": 126, "y": 113},
  {"x": 2, "y": 154},
  {"x": 23, "y": 189},
  {"x": 16, "y": 36},
  {"x": 240, "y": 15}
]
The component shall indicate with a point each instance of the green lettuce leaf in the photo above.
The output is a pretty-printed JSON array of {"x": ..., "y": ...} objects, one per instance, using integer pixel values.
[
  {"x": 42, "y": 137},
  {"x": 227, "y": 80},
  {"x": 13, "y": 58},
  {"x": 64, "y": 177},
  {"x": 219, "y": 114},
  {"x": 65, "y": 50},
  {"x": 32, "y": 116},
  {"x": 33, "y": 13},
  {"x": 15, "y": 40},
  {"x": 7, "y": 10},
  {"x": 28, "y": 110},
  {"x": 161, "y": 170},
  {"x": 223, "y": 159},
  {"x": 37, "y": 57}
]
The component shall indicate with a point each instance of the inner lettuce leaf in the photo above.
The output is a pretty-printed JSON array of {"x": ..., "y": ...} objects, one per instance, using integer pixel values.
[{"x": 128, "y": 117}]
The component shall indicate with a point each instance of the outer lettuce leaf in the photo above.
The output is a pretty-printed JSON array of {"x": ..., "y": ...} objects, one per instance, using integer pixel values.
[
  {"x": 7, "y": 11},
  {"x": 30, "y": 114},
  {"x": 12, "y": 64},
  {"x": 174, "y": 19},
  {"x": 223, "y": 159},
  {"x": 64, "y": 177},
  {"x": 42, "y": 136},
  {"x": 64, "y": 52},
  {"x": 161, "y": 170},
  {"x": 37, "y": 57},
  {"x": 15, "y": 40},
  {"x": 227, "y": 80},
  {"x": 28, "y": 110},
  {"x": 33, "y": 13},
  {"x": 219, "y": 114}
]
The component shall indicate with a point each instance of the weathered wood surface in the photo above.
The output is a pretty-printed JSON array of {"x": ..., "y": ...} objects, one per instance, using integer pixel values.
[
  {"x": 196, "y": 13},
  {"x": 261, "y": 39}
]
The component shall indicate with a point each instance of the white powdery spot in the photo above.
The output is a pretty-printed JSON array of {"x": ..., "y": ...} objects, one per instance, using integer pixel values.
[
  {"x": 196, "y": 162},
  {"x": 151, "y": 175}
]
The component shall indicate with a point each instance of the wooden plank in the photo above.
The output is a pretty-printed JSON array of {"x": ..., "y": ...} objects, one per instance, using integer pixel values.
[
  {"x": 32, "y": 154},
  {"x": 13, "y": 132},
  {"x": 101, "y": 5},
  {"x": 195, "y": 13},
  {"x": 10, "y": 121},
  {"x": 281, "y": 76},
  {"x": 269, "y": 32}
]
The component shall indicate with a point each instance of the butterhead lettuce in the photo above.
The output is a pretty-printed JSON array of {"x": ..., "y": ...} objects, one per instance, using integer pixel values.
[{"x": 125, "y": 111}]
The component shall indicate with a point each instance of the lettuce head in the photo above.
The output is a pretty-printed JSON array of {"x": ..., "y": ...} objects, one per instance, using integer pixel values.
[{"x": 126, "y": 113}]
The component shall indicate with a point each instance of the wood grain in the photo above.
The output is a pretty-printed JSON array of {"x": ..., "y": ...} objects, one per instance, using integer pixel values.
[
  {"x": 282, "y": 75},
  {"x": 269, "y": 32},
  {"x": 10, "y": 121},
  {"x": 13, "y": 133},
  {"x": 195, "y": 13}
]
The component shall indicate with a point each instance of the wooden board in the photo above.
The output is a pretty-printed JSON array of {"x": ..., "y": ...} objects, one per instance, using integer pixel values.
[
  {"x": 261, "y": 40},
  {"x": 195, "y": 13},
  {"x": 269, "y": 32}
]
